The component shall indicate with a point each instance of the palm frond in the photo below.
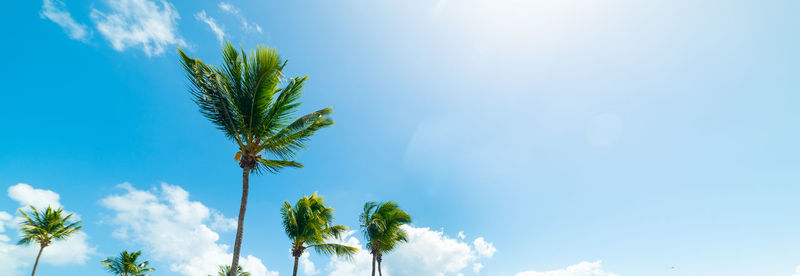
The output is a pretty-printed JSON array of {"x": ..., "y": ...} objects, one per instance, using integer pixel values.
[
  {"x": 332, "y": 249},
  {"x": 273, "y": 166},
  {"x": 293, "y": 137},
  {"x": 209, "y": 92},
  {"x": 336, "y": 231},
  {"x": 263, "y": 76},
  {"x": 284, "y": 106}
]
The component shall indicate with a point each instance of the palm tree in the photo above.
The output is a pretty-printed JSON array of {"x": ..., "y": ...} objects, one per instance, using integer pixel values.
[
  {"x": 127, "y": 264},
  {"x": 308, "y": 226},
  {"x": 225, "y": 270},
  {"x": 45, "y": 227},
  {"x": 243, "y": 100},
  {"x": 380, "y": 224}
]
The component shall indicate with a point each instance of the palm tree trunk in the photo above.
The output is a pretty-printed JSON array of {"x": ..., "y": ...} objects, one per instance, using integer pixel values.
[
  {"x": 296, "y": 258},
  {"x": 379, "y": 265},
  {"x": 373, "y": 264},
  {"x": 37, "y": 260},
  {"x": 237, "y": 246}
]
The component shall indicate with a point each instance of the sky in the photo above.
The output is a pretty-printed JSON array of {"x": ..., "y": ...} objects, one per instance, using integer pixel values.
[{"x": 525, "y": 138}]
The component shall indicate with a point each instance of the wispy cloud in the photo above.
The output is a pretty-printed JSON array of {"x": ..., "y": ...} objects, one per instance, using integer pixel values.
[
  {"x": 56, "y": 11},
  {"x": 139, "y": 23},
  {"x": 246, "y": 25},
  {"x": 218, "y": 30}
]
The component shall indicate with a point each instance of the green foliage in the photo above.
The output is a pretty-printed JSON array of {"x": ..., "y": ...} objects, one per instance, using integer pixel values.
[
  {"x": 380, "y": 224},
  {"x": 244, "y": 100},
  {"x": 44, "y": 227},
  {"x": 308, "y": 226},
  {"x": 127, "y": 264},
  {"x": 225, "y": 270}
]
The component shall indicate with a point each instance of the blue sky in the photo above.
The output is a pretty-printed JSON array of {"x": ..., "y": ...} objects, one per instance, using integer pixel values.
[{"x": 577, "y": 137}]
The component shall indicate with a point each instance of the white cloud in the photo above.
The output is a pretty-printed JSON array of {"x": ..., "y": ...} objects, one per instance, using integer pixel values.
[
  {"x": 796, "y": 271},
  {"x": 176, "y": 230},
  {"x": 27, "y": 195},
  {"x": 56, "y": 11},
  {"x": 360, "y": 264},
  {"x": 13, "y": 257},
  {"x": 476, "y": 267},
  {"x": 484, "y": 248},
  {"x": 219, "y": 31},
  {"x": 306, "y": 265},
  {"x": 427, "y": 252},
  {"x": 580, "y": 269},
  {"x": 246, "y": 25},
  {"x": 139, "y": 23},
  {"x": 75, "y": 250},
  {"x": 221, "y": 223},
  {"x": 5, "y": 219}
]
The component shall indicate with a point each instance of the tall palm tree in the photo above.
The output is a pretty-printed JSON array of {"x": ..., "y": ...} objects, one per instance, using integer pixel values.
[
  {"x": 308, "y": 226},
  {"x": 44, "y": 227},
  {"x": 225, "y": 270},
  {"x": 127, "y": 264},
  {"x": 380, "y": 223},
  {"x": 242, "y": 98}
]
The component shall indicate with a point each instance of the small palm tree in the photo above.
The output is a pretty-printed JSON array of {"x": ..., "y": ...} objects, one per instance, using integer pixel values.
[
  {"x": 45, "y": 227},
  {"x": 242, "y": 98},
  {"x": 380, "y": 224},
  {"x": 308, "y": 226},
  {"x": 127, "y": 264},
  {"x": 225, "y": 270}
]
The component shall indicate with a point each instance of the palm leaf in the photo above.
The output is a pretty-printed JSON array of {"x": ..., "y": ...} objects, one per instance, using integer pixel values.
[{"x": 332, "y": 249}]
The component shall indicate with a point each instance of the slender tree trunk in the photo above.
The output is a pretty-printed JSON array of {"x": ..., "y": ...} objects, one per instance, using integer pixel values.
[
  {"x": 240, "y": 228},
  {"x": 373, "y": 264},
  {"x": 37, "y": 260},
  {"x": 296, "y": 258},
  {"x": 380, "y": 259}
]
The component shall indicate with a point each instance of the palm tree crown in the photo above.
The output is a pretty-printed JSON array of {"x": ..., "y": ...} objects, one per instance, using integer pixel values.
[
  {"x": 127, "y": 264},
  {"x": 243, "y": 100},
  {"x": 307, "y": 224},
  {"x": 380, "y": 224},
  {"x": 225, "y": 270},
  {"x": 47, "y": 226}
]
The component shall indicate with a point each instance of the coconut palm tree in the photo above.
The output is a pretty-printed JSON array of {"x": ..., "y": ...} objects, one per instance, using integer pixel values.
[
  {"x": 44, "y": 227},
  {"x": 380, "y": 223},
  {"x": 308, "y": 226},
  {"x": 127, "y": 264},
  {"x": 225, "y": 270},
  {"x": 243, "y": 99}
]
